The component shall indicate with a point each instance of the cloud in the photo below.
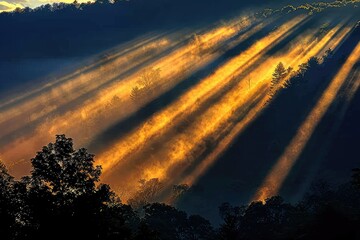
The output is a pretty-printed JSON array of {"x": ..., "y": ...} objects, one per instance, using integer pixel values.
[
  {"x": 9, "y": 6},
  {"x": 16, "y": 1},
  {"x": 3, "y": 7}
]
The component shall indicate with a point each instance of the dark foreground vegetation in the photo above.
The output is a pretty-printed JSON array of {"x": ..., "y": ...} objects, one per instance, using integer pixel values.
[{"x": 62, "y": 198}]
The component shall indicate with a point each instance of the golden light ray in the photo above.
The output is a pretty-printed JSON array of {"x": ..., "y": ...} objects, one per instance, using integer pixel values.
[
  {"x": 337, "y": 40},
  {"x": 119, "y": 51},
  {"x": 188, "y": 102},
  {"x": 183, "y": 148},
  {"x": 316, "y": 48},
  {"x": 122, "y": 49},
  {"x": 173, "y": 65},
  {"x": 320, "y": 45},
  {"x": 243, "y": 93},
  {"x": 105, "y": 57},
  {"x": 80, "y": 85},
  {"x": 190, "y": 150},
  {"x": 346, "y": 95},
  {"x": 220, "y": 112},
  {"x": 212, "y": 36},
  {"x": 70, "y": 90},
  {"x": 226, "y": 142},
  {"x": 350, "y": 93},
  {"x": 263, "y": 71},
  {"x": 283, "y": 166}
]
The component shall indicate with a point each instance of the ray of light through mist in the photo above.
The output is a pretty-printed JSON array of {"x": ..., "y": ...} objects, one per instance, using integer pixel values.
[
  {"x": 227, "y": 69},
  {"x": 187, "y": 103},
  {"x": 277, "y": 175},
  {"x": 175, "y": 61}
]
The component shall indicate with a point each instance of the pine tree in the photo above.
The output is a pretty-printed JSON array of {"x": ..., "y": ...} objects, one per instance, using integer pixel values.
[{"x": 279, "y": 74}]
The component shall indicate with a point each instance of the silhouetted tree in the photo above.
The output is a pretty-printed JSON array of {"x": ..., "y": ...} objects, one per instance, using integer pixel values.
[
  {"x": 197, "y": 44},
  {"x": 147, "y": 85},
  {"x": 167, "y": 221},
  {"x": 199, "y": 229},
  {"x": 7, "y": 215},
  {"x": 328, "y": 55},
  {"x": 63, "y": 192},
  {"x": 64, "y": 171},
  {"x": 266, "y": 220},
  {"x": 146, "y": 193},
  {"x": 178, "y": 191},
  {"x": 278, "y": 76},
  {"x": 118, "y": 221},
  {"x": 136, "y": 94},
  {"x": 232, "y": 217},
  {"x": 61, "y": 198},
  {"x": 144, "y": 232},
  {"x": 149, "y": 78}
]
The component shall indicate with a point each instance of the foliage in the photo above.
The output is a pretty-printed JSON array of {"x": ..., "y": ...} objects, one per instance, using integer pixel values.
[
  {"x": 178, "y": 191},
  {"x": 147, "y": 192},
  {"x": 63, "y": 171},
  {"x": 147, "y": 85},
  {"x": 278, "y": 78},
  {"x": 7, "y": 219},
  {"x": 170, "y": 223},
  {"x": 62, "y": 197},
  {"x": 61, "y": 193},
  {"x": 310, "y": 8}
]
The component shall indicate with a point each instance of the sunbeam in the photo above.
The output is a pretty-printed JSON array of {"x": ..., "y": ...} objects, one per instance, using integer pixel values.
[
  {"x": 175, "y": 66},
  {"x": 284, "y": 164},
  {"x": 185, "y": 147},
  {"x": 189, "y": 101},
  {"x": 177, "y": 152},
  {"x": 54, "y": 97},
  {"x": 104, "y": 57},
  {"x": 180, "y": 119}
]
